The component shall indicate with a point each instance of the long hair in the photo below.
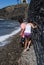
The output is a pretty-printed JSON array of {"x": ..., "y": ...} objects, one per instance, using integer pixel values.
[
  {"x": 30, "y": 21},
  {"x": 20, "y": 19}
]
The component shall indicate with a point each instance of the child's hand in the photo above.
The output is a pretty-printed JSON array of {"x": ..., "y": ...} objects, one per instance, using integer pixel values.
[{"x": 36, "y": 26}]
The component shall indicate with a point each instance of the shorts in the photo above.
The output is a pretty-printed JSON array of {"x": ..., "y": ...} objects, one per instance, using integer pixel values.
[{"x": 28, "y": 36}]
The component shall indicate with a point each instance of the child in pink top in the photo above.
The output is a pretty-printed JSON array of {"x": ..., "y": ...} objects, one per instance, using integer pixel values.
[{"x": 22, "y": 25}]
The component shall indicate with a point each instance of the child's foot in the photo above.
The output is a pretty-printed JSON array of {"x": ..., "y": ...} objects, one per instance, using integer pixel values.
[{"x": 27, "y": 48}]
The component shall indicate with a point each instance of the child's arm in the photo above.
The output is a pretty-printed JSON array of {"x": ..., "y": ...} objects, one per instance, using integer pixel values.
[
  {"x": 33, "y": 26},
  {"x": 21, "y": 31}
]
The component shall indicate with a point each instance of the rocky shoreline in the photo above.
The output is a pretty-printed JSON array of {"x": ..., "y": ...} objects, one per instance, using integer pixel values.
[
  {"x": 13, "y": 12},
  {"x": 12, "y": 52}
]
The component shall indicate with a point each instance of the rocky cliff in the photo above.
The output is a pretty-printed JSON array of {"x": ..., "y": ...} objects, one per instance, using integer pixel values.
[
  {"x": 14, "y": 11},
  {"x": 36, "y": 13}
]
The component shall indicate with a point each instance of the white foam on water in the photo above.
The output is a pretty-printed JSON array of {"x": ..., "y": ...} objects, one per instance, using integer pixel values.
[{"x": 5, "y": 37}]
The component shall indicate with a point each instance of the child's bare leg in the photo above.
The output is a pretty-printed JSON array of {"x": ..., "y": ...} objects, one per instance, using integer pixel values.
[
  {"x": 29, "y": 43},
  {"x": 25, "y": 43}
]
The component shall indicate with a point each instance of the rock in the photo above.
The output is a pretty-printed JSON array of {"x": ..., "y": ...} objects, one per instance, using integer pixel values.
[{"x": 36, "y": 13}]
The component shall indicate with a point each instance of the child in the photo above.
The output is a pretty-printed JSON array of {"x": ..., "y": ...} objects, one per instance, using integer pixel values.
[
  {"x": 27, "y": 34},
  {"x": 22, "y": 26}
]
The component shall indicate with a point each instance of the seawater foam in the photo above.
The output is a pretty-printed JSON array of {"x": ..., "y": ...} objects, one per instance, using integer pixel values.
[{"x": 5, "y": 37}]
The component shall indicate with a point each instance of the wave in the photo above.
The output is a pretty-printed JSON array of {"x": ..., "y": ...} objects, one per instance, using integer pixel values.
[{"x": 5, "y": 37}]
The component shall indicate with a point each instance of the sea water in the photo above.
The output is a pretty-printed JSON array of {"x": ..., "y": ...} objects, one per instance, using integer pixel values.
[{"x": 8, "y": 28}]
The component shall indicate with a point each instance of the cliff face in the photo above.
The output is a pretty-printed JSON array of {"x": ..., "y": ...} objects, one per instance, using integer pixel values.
[
  {"x": 13, "y": 12},
  {"x": 36, "y": 13}
]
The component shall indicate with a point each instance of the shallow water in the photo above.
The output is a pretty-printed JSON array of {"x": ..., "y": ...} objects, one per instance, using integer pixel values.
[{"x": 8, "y": 28}]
